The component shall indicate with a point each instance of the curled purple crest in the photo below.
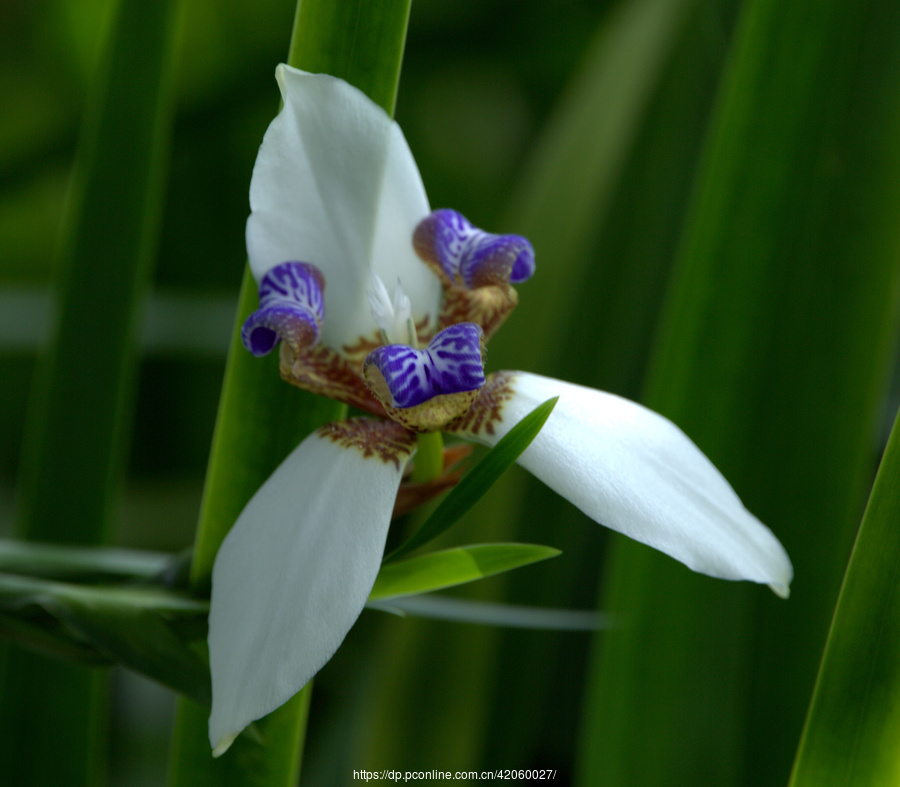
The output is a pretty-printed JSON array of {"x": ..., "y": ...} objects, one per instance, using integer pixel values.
[
  {"x": 470, "y": 255},
  {"x": 452, "y": 363},
  {"x": 291, "y": 307}
]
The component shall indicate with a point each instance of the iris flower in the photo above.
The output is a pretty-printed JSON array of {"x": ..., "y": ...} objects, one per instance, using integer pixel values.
[{"x": 338, "y": 215}]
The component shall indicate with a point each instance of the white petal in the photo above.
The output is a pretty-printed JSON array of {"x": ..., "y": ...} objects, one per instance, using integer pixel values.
[
  {"x": 335, "y": 185},
  {"x": 296, "y": 569},
  {"x": 636, "y": 472}
]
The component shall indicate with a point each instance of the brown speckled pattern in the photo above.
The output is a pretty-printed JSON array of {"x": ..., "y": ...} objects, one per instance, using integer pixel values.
[
  {"x": 487, "y": 408},
  {"x": 433, "y": 414},
  {"x": 486, "y": 306},
  {"x": 321, "y": 370},
  {"x": 386, "y": 440}
]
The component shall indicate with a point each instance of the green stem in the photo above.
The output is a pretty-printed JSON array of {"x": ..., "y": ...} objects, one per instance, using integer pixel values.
[
  {"x": 261, "y": 418},
  {"x": 429, "y": 460},
  {"x": 361, "y": 42}
]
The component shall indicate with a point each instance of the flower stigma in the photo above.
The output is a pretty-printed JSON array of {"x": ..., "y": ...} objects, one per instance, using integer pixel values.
[{"x": 393, "y": 318}]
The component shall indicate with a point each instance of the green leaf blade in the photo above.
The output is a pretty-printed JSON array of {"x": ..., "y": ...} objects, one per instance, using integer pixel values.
[
  {"x": 854, "y": 719},
  {"x": 138, "y": 627},
  {"x": 773, "y": 356},
  {"x": 477, "y": 481},
  {"x": 360, "y": 43},
  {"x": 78, "y": 421},
  {"x": 261, "y": 418},
  {"x": 83, "y": 564},
  {"x": 450, "y": 567}
]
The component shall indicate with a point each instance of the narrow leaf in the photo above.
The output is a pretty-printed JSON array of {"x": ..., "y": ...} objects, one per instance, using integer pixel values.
[
  {"x": 486, "y": 613},
  {"x": 450, "y": 567},
  {"x": 137, "y": 637},
  {"x": 80, "y": 563},
  {"x": 854, "y": 720},
  {"x": 77, "y": 429},
  {"x": 260, "y": 418},
  {"x": 478, "y": 480},
  {"x": 135, "y": 626},
  {"x": 40, "y": 632}
]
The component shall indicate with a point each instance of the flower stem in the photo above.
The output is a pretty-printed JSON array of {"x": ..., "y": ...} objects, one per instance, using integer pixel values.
[
  {"x": 429, "y": 460},
  {"x": 261, "y": 418}
]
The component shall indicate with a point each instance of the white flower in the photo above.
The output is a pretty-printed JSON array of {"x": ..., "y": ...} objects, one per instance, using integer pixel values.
[{"x": 336, "y": 193}]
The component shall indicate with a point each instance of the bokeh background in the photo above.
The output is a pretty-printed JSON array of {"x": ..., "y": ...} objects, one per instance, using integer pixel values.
[{"x": 709, "y": 186}]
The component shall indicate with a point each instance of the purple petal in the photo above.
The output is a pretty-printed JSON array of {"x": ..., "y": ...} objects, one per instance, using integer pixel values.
[
  {"x": 452, "y": 363},
  {"x": 471, "y": 256},
  {"x": 291, "y": 307}
]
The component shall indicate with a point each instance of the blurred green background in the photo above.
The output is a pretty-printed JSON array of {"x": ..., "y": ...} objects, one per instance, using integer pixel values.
[{"x": 621, "y": 139}]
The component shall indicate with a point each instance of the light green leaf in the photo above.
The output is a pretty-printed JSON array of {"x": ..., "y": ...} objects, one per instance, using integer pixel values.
[{"x": 450, "y": 567}]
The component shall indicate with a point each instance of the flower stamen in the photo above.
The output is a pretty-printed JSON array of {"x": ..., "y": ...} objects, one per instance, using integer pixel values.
[{"x": 393, "y": 318}]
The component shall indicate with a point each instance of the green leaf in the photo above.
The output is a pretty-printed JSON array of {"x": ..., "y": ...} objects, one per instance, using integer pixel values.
[
  {"x": 38, "y": 631},
  {"x": 486, "y": 613},
  {"x": 81, "y": 401},
  {"x": 450, "y": 567},
  {"x": 139, "y": 627},
  {"x": 261, "y": 418},
  {"x": 773, "y": 355},
  {"x": 82, "y": 564},
  {"x": 854, "y": 719},
  {"x": 137, "y": 633},
  {"x": 78, "y": 422},
  {"x": 571, "y": 180},
  {"x": 361, "y": 43},
  {"x": 479, "y": 479}
]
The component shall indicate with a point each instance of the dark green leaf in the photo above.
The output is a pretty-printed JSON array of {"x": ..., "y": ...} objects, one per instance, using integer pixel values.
[
  {"x": 38, "y": 631},
  {"x": 479, "y": 479},
  {"x": 78, "y": 425},
  {"x": 773, "y": 356},
  {"x": 135, "y": 626},
  {"x": 853, "y": 722}
]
